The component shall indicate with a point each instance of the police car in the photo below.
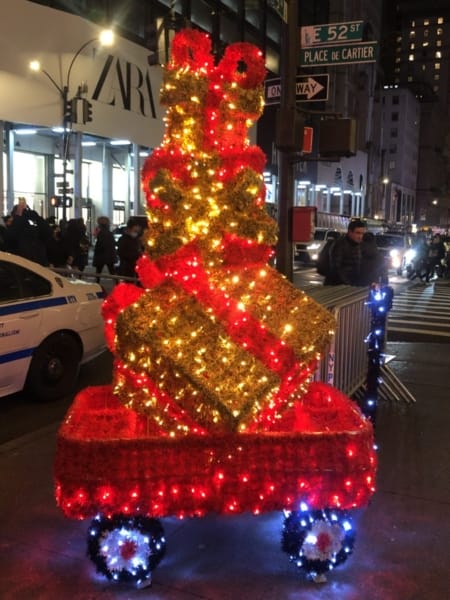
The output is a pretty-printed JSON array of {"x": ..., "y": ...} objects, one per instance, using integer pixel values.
[{"x": 49, "y": 326}]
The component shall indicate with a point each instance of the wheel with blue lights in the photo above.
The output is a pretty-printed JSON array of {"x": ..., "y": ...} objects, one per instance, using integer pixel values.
[
  {"x": 126, "y": 549},
  {"x": 317, "y": 541}
]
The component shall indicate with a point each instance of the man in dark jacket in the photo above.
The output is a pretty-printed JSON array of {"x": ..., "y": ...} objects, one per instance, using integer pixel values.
[
  {"x": 105, "y": 248},
  {"x": 346, "y": 257},
  {"x": 129, "y": 249}
]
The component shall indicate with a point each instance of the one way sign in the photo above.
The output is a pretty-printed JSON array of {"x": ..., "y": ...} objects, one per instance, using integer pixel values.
[{"x": 308, "y": 89}]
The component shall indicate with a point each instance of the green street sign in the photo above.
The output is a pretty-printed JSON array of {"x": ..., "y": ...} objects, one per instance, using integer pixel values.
[
  {"x": 331, "y": 33},
  {"x": 364, "y": 52}
]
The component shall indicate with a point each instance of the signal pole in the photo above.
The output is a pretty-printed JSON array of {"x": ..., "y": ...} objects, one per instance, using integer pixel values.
[{"x": 289, "y": 137}]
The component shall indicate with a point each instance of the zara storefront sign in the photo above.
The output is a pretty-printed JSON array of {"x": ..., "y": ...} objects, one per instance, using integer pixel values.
[{"x": 122, "y": 86}]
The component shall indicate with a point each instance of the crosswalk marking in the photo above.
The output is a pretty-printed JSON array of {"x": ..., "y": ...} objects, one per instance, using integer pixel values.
[{"x": 422, "y": 311}]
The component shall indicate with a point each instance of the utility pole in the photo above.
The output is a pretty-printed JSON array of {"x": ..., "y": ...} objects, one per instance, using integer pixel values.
[{"x": 289, "y": 137}]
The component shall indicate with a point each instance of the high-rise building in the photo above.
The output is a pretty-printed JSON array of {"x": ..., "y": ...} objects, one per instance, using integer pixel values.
[{"x": 416, "y": 57}]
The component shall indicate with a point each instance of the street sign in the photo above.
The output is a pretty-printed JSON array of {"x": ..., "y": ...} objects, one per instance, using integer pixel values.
[
  {"x": 307, "y": 89},
  {"x": 331, "y": 33},
  {"x": 364, "y": 52}
]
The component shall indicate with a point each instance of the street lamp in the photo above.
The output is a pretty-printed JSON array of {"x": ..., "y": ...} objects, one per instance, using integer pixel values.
[
  {"x": 69, "y": 105},
  {"x": 385, "y": 182}
]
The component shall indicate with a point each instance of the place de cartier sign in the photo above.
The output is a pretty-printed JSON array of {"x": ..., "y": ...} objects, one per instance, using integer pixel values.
[{"x": 364, "y": 52}]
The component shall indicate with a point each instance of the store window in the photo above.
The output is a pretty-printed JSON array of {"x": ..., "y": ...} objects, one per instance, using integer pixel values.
[
  {"x": 202, "y": 15},
  {"x": 30, "y": 180},
  {"x": 233, "y": 4},
  {"x": 252, "y": 13}
]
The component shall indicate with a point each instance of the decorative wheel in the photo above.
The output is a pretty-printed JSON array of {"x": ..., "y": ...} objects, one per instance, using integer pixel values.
[
  {"x": 126, "y": 548},
  {"x": 317, "y": 540}
]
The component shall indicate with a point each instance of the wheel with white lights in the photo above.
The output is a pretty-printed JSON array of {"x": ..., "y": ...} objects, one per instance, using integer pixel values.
[
  {"x": 126, "y": 548},
  {"x": 317, "y": 541}
]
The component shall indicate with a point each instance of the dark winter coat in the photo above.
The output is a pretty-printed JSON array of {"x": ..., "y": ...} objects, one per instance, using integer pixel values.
[
  {"x": 346, "y": 263},
  {"x": 129, "y": 250},
  {"x": 373, "y": 268},
  {"x": 105, "y": 248},
  {"x": 28, "y": 235}
]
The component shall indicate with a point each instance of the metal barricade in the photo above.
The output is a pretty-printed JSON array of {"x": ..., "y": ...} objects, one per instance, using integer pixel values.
[{"x": 344, "y": 362}]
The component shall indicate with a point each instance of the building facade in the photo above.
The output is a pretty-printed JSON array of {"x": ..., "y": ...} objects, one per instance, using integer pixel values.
[
  {"x": 122, "y": 83},
  {"x": 417, "y": 58},
  {"x": 399, "y": 136}
]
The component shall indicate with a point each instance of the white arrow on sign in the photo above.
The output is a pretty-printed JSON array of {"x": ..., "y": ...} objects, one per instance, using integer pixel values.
[{"x": 308, "y": 88}]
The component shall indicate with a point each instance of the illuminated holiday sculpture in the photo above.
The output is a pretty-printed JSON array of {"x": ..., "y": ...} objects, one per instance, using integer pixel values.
[{"x": 212, "y": 406}]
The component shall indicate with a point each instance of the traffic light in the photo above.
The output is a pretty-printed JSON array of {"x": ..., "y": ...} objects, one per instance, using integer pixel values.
[
  {"x": 87, "y": 111},
  {"x": 55, "y": 201},
  {"x": 68, "y": 111}
]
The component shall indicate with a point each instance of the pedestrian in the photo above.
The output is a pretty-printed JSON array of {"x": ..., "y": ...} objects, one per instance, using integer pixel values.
[
  {"x": 56, "y": 253},
  {"x": 436, "y": 252},
  {"x": 76, "y": 244},
  {"x": 129, "y": 248},
  {"x": 28, "y": 234},
  {"x": 105, "y": 248},
  {"x": 346, "y": 257},
  {"x": 373, "y": 267}
]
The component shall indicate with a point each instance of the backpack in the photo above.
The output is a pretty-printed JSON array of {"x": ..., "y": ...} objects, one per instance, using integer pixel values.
[{"x": 323, "y": 265}]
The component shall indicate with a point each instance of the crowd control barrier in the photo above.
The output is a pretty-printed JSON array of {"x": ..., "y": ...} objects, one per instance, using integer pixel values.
[{"x": 344, "y": 363}]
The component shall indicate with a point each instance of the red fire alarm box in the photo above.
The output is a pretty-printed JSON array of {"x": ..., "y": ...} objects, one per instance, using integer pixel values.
[
  {"x": 307, "y": 140},
  {"x": 304, "y": 220}
]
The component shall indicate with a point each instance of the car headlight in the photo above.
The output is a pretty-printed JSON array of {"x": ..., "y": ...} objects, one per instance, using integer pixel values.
[
  {"x": 314, "y": 246},
  {"x": 393, "y": 253},
  {"x": 410, "y": 255}
]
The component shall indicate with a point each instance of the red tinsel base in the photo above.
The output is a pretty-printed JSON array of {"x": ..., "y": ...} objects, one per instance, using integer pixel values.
[{"x": 108, "y": 461}]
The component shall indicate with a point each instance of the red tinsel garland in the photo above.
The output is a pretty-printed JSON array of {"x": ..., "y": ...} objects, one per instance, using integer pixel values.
[
  {"x": 107, "y": 461},
  {"x": 191, "y": 48}
]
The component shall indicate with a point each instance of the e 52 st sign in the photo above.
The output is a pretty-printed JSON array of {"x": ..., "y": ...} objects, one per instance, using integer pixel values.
[{"x": 331, "y": 33}]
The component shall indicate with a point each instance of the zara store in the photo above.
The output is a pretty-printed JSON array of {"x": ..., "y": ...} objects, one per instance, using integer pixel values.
[{"x": 89, "y": 160}]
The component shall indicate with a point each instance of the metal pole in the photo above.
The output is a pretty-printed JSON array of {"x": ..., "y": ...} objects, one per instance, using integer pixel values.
[
  {"x": 289, "y": 61},
  {"x": 65, "y": 148}
]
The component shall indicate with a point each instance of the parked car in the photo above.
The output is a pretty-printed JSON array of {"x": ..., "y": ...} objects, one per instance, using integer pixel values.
[
  {"x": 395, "y": 248},
  {"x": 49, "y": 326},
  {"x": 308, "y": 252}
]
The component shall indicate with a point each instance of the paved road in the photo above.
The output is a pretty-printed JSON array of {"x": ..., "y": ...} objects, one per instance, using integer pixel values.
[{"x": 421, "y": 313}]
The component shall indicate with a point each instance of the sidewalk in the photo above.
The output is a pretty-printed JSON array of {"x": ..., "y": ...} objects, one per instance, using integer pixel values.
[{"x": 403, "y": 538}]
